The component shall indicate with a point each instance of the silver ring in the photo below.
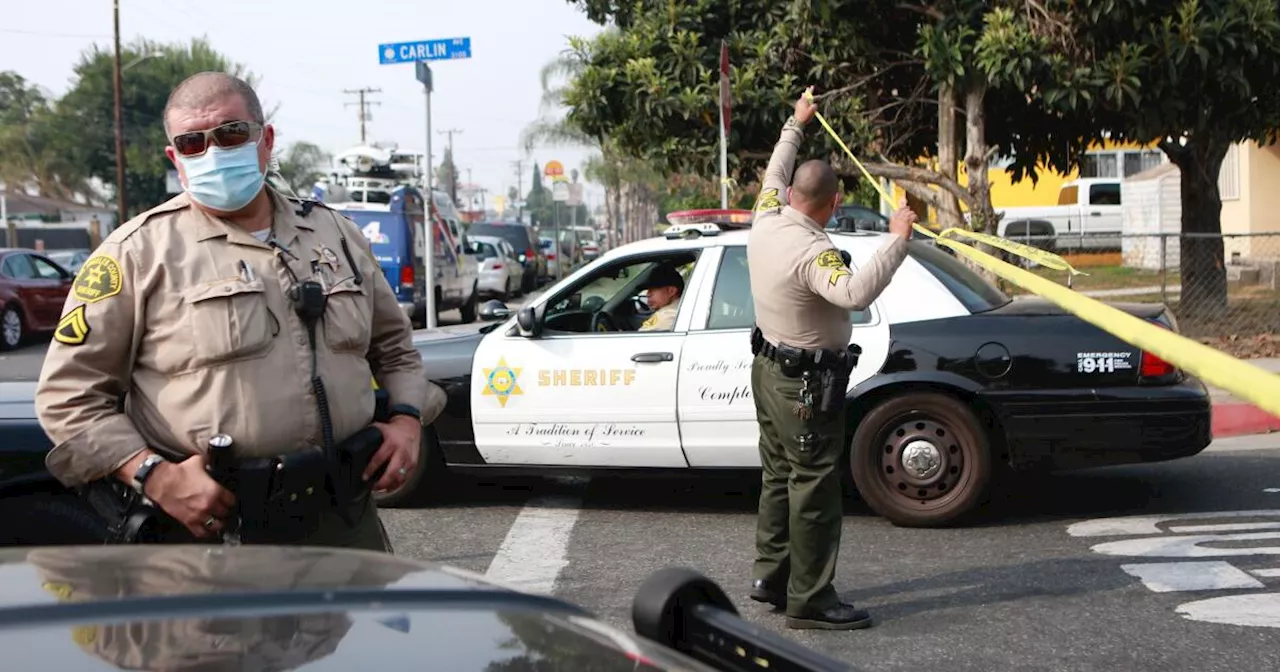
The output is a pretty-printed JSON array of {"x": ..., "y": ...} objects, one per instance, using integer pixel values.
[
  {"x": 403, "y": 471},
  {"x": 208, "y": 524}
]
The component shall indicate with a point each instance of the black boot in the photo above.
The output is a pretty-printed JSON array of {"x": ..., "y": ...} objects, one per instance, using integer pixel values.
[
  {"x": 839, "y": 617},
  {"x": 763, "y": 591}
]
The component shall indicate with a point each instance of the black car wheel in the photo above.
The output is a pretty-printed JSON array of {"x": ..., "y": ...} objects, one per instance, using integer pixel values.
[
  {"x": 49, "y": 519},
  {"x": 921, "y": 460},
  {"x": 529, "y": 282},
  {"x": 425, "y": 483},
  {"x": 11, "y": 328}
]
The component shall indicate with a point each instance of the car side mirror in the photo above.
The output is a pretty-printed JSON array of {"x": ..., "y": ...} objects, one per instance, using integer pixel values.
[
  {"x": 846, "y": 224},
  {"x": 494, "y": 310},
  {"x": 846, "y": 258},
  {"x": 528, "y": 322}
]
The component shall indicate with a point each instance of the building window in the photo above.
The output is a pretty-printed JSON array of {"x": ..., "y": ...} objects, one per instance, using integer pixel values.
[
  {"x": 1229, "y": 175},
  {"x": 1108, "y": 163},
  {"x": 1099, "y": 164},
  {"x": 1137, "y": 162}
]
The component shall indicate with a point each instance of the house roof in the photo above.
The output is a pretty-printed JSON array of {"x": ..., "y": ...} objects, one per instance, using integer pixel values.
[{"x": 18, "y": 204}]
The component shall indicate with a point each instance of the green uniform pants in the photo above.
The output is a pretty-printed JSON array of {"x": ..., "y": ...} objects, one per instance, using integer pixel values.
[{"x": 801, "y": 506}]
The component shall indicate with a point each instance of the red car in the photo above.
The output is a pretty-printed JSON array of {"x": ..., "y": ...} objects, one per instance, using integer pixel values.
[{"x": 33, "y": 290}]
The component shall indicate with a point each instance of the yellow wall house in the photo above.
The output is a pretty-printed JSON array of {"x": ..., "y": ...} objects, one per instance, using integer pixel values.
[{"x": 1108, "y": 159}]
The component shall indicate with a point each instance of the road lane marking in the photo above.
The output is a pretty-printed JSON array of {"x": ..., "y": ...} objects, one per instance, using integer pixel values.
[
  {"x": 1267, "y": 573},
  {"x": 1258, "y": 610},
  {"x": 1188, "y": 546},
  {"x": 537, "y": 545},
  {"x": 1271, "y": 489},
  {"x": 1223, "y": 527},
  {"x": 1172, "y": 577},
  {"x": 1116, "y": 527}
]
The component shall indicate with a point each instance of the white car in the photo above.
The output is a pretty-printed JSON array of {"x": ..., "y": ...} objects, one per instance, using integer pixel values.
[
  {"x": 500, "y": 270},
  {"x": 956, "y": 383}
]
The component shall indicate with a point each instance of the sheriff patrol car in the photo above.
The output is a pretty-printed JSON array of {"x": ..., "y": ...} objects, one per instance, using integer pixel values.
[{"x": 957, "y": 383}]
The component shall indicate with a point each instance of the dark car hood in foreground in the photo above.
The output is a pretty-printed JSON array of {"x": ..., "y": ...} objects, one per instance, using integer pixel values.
[{"x": 270, "y": 608}]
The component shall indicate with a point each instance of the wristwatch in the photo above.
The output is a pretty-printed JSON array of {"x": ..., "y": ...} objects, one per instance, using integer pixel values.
[
  {"x": 144, "y": 471},
  {"x": 405, "y": 409}
]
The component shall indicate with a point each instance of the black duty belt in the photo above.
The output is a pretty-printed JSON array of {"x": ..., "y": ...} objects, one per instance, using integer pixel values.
[{"x": 813, "y": 359}]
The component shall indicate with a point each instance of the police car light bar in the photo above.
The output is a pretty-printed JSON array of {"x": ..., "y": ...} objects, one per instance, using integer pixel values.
[{"x": 705, "y": 222}]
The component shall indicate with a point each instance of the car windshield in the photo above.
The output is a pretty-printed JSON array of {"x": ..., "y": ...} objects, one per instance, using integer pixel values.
[
  {"x": 975, "y": 293},
  {"x": 512, "y": 233}
]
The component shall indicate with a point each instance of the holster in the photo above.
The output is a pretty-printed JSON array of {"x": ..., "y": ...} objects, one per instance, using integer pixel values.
[
  {"x": 835, "y": 379},
  {"x": 128, "y": 517},
  {"x": 279, "y": 499}
]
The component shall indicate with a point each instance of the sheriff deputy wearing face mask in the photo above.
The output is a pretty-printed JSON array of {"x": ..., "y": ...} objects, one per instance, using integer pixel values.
[{"x": 214, "y": 368}]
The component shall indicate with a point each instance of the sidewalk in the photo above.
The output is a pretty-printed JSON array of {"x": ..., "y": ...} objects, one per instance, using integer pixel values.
[{"x": 1236, "y": 417}]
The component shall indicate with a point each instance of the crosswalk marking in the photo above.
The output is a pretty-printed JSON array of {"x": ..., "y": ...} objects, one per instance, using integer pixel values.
[
  {"x": 537, "y": 545},
  {"x": 1171, "y": 577}
]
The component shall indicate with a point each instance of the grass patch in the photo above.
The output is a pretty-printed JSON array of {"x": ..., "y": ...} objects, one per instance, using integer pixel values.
[{"x": 1113, "y": 276}]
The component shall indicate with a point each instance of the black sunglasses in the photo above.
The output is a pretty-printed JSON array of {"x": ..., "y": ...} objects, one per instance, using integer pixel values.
[{"x": 226, "y": 136}]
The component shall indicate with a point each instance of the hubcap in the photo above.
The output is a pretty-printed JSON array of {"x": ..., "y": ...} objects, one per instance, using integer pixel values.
[
  {"x": 921, "y": 459},
  {"x": 12, "y": 328}
]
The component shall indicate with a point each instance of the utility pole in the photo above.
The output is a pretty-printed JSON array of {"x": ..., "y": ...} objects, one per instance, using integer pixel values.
[
  {"x": 364, "y": 107},
  {"x": 453, "y": 164},
  {"x": 519, "y": 164},
  {"x": 121, "y": 197}
]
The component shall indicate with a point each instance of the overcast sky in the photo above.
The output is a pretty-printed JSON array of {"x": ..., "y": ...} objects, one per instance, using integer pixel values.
[{"x": 306, "y": 52}]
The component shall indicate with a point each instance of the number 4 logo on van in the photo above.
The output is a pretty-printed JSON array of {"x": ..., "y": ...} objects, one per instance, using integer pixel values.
[{"x": 373, "y": 231}]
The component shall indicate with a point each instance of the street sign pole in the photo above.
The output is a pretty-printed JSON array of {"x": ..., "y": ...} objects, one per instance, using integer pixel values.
[
  {"x": 423, "y": 72},
  {"x": 419, "y": 53}
]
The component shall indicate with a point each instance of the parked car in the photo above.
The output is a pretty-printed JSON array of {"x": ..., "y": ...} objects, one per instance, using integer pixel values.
[
  {"x": 548, "y": 247},
  {"x": 525, "y": 242},
  {"x": 1088, "y": 216},
  {"x": 501, "y": 274},
  {"x": 33, "y": 290},
  {"x": 69, "y": 259},
  {"x": 154, "y": 607}
]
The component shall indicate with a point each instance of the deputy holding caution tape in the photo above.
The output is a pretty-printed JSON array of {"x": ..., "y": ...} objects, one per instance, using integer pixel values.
[
  {"x": 211, "y": 376},
  {"x": 803, "y": 293}
]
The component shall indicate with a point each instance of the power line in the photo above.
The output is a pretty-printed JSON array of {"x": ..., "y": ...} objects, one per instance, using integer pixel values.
[{"x": 364, "y": 107}]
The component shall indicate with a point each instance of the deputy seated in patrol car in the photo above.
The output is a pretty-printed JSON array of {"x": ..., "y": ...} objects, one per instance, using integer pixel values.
[{"x": 662, "y": 291}]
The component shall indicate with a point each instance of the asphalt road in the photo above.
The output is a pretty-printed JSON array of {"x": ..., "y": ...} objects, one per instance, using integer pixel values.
[{"x": 1020, "y": 589}]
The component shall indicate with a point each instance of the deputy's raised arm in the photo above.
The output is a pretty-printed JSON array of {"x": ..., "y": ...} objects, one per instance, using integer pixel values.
[
  {"x": 829, "y": 277},
  {"x": 777, "y": 175},
  {"x": 86, "y": 372}
]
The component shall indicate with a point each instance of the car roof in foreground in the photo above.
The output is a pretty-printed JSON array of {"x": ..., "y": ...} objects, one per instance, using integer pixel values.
[{"x": 269, "y": 607}]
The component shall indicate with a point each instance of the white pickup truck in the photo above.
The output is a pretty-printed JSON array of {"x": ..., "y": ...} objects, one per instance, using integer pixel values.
[{"x": 1087, "y": 216}]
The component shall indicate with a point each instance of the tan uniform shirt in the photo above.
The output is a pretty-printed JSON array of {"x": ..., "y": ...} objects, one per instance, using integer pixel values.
[
  {"x": 802, "y": 289},
  {"x": 189, "y": 316},
  {"x": 662, "y": 319},
  {"x": 271, "y": 642}
]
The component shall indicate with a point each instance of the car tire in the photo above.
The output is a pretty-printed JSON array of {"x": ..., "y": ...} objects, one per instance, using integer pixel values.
[
  {"x": 949, "y": 469},
  {"x": 425, "y": 483},
  {"x": 468, "y": 309},
  {"x": 49, "y": 519},
  {"x": 12, "y": 328}
]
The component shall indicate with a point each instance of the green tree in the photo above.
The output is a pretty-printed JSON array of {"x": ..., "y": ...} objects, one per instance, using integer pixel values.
[
  {"x": 84, "y": 126},
  {"x": 446, "y": 177},
  {"x": 29, "y": 156},
  {"x": 1193, "y": 75},
  {"x": 301, "y": 165}
]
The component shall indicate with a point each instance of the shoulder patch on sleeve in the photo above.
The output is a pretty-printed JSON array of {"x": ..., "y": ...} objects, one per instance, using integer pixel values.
[
  {"x": 768, "y": 200},
  {"x": 829, "y": 259},
  {"x": 73, "y": 328},
  {"x": 99, "y": 278}
]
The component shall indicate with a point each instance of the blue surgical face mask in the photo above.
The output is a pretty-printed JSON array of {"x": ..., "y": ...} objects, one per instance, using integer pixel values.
[{"x": 224, "y": 179}]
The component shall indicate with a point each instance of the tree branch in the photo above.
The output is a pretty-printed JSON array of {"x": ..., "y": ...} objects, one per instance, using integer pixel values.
[{"x": 902, "y": 174}]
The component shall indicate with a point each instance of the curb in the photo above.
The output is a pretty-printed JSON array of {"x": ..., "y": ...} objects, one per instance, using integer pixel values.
[{"x": 1240, "y": 419}]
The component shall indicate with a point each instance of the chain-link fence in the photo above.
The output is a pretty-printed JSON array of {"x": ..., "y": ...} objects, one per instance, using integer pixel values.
[{"x": 1222, "y": 288}]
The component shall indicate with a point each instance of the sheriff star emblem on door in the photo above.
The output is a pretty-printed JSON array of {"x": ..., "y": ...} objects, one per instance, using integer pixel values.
[{"x": 502, "y": 382}]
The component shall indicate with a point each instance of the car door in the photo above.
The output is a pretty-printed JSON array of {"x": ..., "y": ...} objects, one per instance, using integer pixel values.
[
  {"x": 573, "y": 395},
  {"x": 49, "y": 287},
  {"x": 31, "y": 290},
  {"x": 717, "y": 411}
]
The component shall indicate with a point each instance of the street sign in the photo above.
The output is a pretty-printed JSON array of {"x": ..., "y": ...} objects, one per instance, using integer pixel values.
[
  {"x": 424, "y": 50},
  {"x": 575, "y": 194},
  {"x": 423, "y": 72},
  {"x": 560, "y": 191}
]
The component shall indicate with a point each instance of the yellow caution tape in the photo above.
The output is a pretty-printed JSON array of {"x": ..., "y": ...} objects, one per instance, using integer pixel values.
[
  {"x": 1046, "y": 259},
  {"x": 1210, "y": 365}
]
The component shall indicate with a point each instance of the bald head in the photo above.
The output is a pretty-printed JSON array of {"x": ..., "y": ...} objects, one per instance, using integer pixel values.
[
  {"x": 814, "y": 182},
  {"x": 208, "y": 89}
]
